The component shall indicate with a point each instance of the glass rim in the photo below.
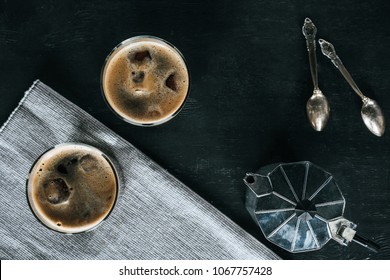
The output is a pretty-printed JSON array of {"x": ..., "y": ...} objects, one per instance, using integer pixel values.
[{"x": 117, "y": 48}]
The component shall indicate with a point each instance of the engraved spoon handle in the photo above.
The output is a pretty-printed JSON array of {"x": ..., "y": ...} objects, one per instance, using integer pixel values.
[
  {"x": 329, "y": 51},
  {"x": 309, "y": 30}
]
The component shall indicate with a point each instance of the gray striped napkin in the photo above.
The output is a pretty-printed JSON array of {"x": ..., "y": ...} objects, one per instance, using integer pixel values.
[{"x": 157, "y": 217}]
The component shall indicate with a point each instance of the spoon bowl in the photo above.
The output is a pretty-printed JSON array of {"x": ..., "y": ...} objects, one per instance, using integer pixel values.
[
  {"x": 317, "y": 109},
  {"x": 373, "y": 117}
]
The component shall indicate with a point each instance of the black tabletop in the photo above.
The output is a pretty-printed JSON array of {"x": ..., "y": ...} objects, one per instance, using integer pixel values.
[{"x": 250, "y": 81}]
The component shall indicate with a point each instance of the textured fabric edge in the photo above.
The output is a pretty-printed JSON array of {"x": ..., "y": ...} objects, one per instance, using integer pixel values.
[{"x": 26, "y": 94}]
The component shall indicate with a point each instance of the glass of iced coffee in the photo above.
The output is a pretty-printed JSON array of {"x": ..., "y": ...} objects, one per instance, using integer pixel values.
[
  {"x": 145, "y": 80},
  {"x": 72, "y": 187}
]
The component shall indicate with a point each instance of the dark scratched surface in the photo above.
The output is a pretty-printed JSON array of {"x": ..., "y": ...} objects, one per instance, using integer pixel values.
[{"x": 250, "y": 81}]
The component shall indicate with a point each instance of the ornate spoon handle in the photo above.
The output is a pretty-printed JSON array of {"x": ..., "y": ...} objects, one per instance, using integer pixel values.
[
  {"x": 309, "y": 30},
  {"x": 329, "y": 51}
]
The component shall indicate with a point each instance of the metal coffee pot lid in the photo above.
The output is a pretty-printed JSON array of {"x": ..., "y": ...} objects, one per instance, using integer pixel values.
[{"x": 299, "y": 207}]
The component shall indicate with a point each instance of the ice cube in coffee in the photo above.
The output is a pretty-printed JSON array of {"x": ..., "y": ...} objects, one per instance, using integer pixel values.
[
  {"x": 145, "y": 80},
  {"x": 72, "y": 188}
]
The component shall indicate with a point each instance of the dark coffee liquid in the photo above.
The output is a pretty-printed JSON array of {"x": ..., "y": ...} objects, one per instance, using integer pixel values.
[
  {"x": 72, "y": 188},
  {"x": 145, "y": 81}
]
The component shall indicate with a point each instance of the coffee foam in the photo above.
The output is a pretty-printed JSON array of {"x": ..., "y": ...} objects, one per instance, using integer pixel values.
[
  {"x": 72, "y": 188},
  {"x": 145, "y": 81}
]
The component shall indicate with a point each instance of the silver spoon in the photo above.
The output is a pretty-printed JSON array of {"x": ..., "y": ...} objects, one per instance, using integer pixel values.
[
  {"x": 317, "y": 107},
  {"x": 371, "y": 112}
]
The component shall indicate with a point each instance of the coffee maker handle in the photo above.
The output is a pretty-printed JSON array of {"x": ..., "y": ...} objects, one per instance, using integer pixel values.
[{"x": 365, "y": 242}]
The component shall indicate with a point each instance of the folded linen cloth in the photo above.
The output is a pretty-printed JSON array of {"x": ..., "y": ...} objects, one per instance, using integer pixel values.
[{"x": 157, "y": 217}]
